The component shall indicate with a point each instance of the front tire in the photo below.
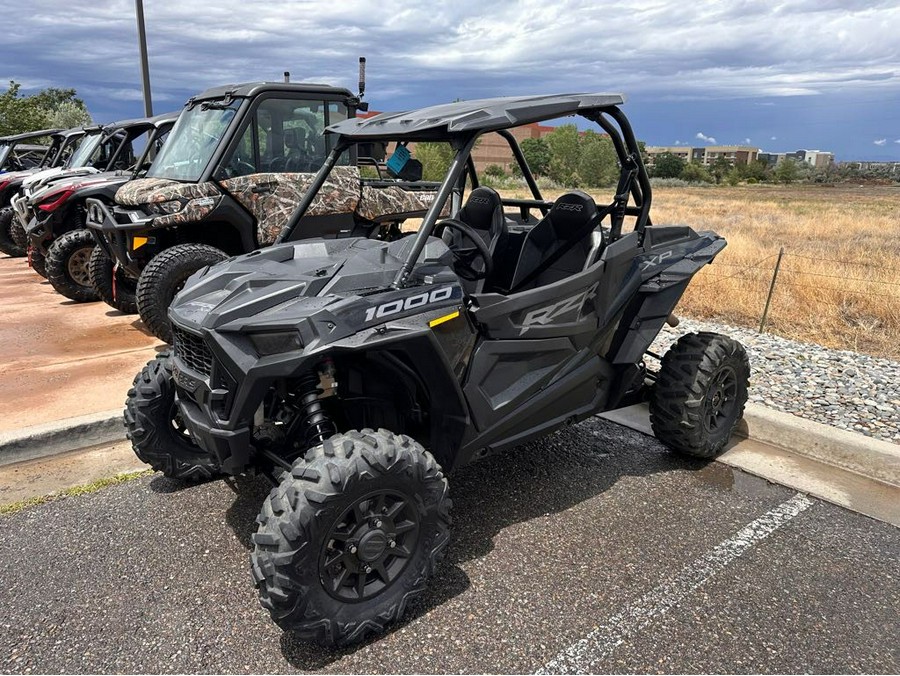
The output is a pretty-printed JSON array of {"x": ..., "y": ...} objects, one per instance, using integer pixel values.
[
  {"x": 8, "y": 244},
  {"x": 350, "y": 536},
  {"x": 68, "y": 266},
  {"x": 119, "y": 293},
  {"x": 164, "y": 277},
  {"x": 154, "y": 427},
  {"x": 700, "y": 394}
]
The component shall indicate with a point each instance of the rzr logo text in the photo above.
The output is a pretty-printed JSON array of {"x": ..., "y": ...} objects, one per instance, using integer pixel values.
[{"x": 546, "y": 315}]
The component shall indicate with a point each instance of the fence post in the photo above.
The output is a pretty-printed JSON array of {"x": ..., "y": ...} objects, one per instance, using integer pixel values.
[{"x": 762, "y": 322}]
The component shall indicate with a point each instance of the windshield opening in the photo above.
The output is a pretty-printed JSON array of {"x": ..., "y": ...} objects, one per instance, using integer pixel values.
[
  {"x": 84, "y": 152},
  {"x": 4, "y": 151},
  {"x": 192, "y": 141}
]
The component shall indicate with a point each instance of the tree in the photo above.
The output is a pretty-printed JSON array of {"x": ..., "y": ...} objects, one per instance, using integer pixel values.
[
  {"x": 787, "y": 171},
  {"x": 564, "y": 145},
  {"x": 69, "y": 114},
  {"x": 668, "y": 165},
  {"x": 719, "y": 168},
  {"x": 49, "y": 107},
  {"x": 435, "y": 159},
  {"x": 695, "y": 173},
  {"x": 597, "y": 165},
  {"x": 537, "y": 154},
  {"x": 495, "y": 171}
]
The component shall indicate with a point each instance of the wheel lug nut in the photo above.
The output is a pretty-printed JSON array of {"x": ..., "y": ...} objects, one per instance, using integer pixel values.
[
  {"x": 377, "y": 523},
  {"x": 368, "y": 569},
  {"x": 353, "y": 549},
  {"x": 392, "y": 544}
]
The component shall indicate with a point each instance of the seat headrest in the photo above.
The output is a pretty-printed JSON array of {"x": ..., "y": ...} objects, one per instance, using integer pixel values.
[
  {"x": 570, "y": 211},
  {"x": 293, "y": 138},
  {"x": 479, "y": 209}
]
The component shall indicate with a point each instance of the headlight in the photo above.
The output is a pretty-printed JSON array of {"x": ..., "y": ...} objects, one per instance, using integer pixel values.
[
  {"x": 170, "y": 207},
  {"x": 276, "y": 342}
]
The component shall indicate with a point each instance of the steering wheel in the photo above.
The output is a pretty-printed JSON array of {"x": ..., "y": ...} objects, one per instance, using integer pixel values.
[{"x": 464, "y": 258}]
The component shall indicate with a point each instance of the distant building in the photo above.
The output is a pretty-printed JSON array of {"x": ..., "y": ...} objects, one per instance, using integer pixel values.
[
  {"x": 706, "y": 155},
  {"x": 818, "y": 159},
  {"x": 492, "y": 148}
]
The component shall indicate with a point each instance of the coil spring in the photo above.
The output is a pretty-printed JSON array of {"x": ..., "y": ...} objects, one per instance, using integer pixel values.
[{"x": 315, "y": 426}]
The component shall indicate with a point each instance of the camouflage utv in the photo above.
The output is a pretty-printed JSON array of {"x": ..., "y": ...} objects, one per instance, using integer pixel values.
[{"x": 227, "y": 181}]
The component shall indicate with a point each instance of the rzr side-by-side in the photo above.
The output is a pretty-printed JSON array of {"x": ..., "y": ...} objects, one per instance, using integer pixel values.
[
  {"x": 355, "y": 372},
  {"x": 62, "y": 144},
  {"x": 231, "y": 174},
  {"x": 56, "y": 212}
]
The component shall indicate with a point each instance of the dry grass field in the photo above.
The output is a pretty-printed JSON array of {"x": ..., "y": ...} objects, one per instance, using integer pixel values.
[{"x": 839, "y": 283}]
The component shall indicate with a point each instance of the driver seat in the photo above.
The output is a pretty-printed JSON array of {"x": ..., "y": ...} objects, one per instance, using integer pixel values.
[{"x": 483, "y": 212}]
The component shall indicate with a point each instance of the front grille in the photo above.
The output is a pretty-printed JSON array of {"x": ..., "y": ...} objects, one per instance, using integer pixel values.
[{"x": 192, "y": 350}]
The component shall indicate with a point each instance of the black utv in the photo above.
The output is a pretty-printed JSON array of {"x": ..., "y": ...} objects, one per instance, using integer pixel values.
[
  {"x": 62, "y": 145},
  {"x": 55, "y": 210},
  {"x": 21, "y": 152},
  {"x": 231, "y": 174},
  {"x": 355, "y": 373}
]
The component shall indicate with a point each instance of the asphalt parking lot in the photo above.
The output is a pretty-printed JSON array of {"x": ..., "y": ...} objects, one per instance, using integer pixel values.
[{"x": 595, "y": 550}]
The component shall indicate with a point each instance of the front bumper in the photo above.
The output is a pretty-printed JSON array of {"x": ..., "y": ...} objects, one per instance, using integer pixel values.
[
  {"x": 115, "y": 230},
  {"x": 205, "y": 393}
]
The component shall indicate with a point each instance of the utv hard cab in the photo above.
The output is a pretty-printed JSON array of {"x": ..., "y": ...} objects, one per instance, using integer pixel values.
[
  {"x": 233, "y": 171},
  {"x": 56, "y": 211},
  {"x": 354, "y": 373}
]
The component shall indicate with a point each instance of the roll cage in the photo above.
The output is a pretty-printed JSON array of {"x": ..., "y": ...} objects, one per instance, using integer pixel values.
[{"x": 461, "y": 124}]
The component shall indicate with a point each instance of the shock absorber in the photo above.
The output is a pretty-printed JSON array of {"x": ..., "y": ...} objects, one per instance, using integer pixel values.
[{"x": 315, "y": 425}]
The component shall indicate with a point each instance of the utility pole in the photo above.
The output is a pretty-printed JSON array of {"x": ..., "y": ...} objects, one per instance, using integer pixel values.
[{"x": 145, "y": 65}]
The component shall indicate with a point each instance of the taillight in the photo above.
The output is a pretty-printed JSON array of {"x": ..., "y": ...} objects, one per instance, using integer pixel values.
[{"x": 52, "y": 201}]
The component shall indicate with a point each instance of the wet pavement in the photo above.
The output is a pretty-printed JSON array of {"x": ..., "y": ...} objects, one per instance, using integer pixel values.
[
  {"x": 62, "y": 359},
  {"x": 594, "y": 549}
]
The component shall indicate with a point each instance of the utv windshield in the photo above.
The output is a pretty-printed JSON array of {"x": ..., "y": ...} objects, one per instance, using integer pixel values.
[
  {"x": 193, "y": 140},
  {"x": 4, "y": 153},
  {"x": 81, "y": 157}
]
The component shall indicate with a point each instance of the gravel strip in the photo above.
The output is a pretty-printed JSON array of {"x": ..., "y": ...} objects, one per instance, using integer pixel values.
[{"x": 844, "y": 389}]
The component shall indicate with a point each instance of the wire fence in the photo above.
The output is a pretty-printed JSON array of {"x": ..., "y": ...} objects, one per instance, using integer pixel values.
[{"x": 786, "y": 270}]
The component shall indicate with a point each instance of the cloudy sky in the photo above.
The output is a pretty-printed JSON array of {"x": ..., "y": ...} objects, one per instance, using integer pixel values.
[{"x": 778, "y": 75}]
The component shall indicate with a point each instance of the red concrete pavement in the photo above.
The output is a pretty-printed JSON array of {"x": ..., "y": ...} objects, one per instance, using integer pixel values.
[{"x": 61, "y": 359}]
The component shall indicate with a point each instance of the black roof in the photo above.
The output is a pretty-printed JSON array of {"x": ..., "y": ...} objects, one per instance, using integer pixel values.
[
  {"x": 154, "y": 121},
  {"x": 463, "y": 117},
  {"x": 28, "y": 135},
  {"x": 249, "y": 89}
]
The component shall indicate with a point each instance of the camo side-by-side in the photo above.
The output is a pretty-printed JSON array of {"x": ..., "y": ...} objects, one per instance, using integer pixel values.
[{"x": 272, "y": 207}]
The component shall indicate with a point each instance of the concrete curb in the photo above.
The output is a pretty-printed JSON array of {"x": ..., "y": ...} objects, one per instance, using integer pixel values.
[
  {"x": 61, "y": 436},
  {"x": 857, "y": 453}
]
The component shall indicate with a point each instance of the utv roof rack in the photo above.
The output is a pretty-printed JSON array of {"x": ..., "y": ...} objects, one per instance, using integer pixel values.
[{"x": 466, "y": 117}]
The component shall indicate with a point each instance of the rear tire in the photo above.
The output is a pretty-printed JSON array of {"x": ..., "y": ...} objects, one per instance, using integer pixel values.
[
  {"x": 153, "y": 425},
  {"x": 68, "y": 266},
  {"x": 101, "y": 269},
  {"x": 37, "y": 261},
  {"x": 164, "y": 277},
  {"x": 8, "y": 243},
  {"x": 360, "y": 499},
  {"x": 700, "y": 394}
]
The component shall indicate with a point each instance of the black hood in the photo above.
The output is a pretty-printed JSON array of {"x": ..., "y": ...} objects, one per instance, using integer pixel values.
[{"x": 281, "y": 286}]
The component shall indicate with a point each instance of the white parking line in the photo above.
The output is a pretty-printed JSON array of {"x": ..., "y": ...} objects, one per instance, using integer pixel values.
[{"x": 582, "y": 655}]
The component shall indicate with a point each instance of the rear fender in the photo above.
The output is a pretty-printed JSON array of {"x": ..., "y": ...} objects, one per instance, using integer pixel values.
[{"x": 656, "y": 281}]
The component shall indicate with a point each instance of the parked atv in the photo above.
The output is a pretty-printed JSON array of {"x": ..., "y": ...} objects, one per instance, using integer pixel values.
[
  {"x": 354, "y": 373},
  {"x": 55, "y": 210},
  {"x": 231, "y": 174},
  {"x": 62, "y": 144}
]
